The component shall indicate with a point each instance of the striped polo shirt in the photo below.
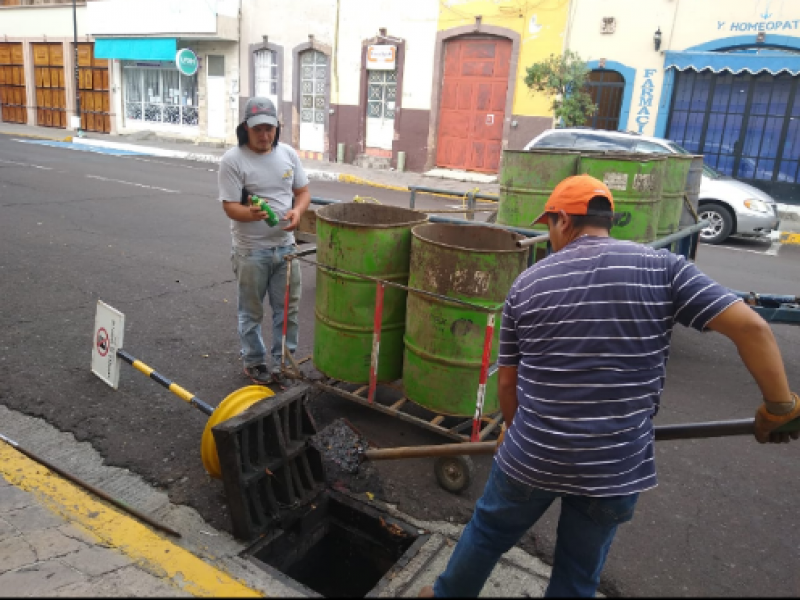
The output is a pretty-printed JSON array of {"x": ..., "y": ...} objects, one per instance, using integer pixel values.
[{"x": 589, "y": 329}]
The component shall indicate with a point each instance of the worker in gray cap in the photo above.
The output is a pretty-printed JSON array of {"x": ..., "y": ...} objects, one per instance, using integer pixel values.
[{"x": 261, "y": 166}]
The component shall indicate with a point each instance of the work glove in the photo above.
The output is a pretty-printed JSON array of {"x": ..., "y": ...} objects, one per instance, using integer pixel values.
[
  {"x": 502, "y": 435},
  {"x": 766, "y": 423}
]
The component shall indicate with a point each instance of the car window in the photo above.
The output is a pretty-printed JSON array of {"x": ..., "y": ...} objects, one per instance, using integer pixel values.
[
  {"x": 678, "y": 149},
  {"x": 560, "y": 139},
  {"x": 651, "y": 148},
  {"x": 600, "y": 142}
]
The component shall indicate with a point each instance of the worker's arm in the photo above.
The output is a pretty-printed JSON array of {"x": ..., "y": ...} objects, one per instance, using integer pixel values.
[
  {"x": 507, "y": 393},
  {"x": 757, "y": 346},
  {"x": 302, "y": 200},
  {"x": 760, "y": 354},
  {"x": 244, "y": 213}
]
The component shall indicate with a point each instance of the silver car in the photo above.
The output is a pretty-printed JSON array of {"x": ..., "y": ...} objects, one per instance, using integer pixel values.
[{"x": 732, "y": 207}]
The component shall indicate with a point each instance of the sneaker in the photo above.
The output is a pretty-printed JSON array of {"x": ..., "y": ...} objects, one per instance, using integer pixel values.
[
  {"x": 259, "y": 374},
  {"x": 281, "y": 381}
]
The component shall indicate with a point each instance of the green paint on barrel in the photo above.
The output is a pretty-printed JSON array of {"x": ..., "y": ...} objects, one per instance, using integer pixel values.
[
  {"x": 444, "y": 341},
  {"x": 675, "y": 173},
  {"x": 527, "y": 179},
  {"x": 636, "y": 182},
  {"x": 372, "y": 240}
]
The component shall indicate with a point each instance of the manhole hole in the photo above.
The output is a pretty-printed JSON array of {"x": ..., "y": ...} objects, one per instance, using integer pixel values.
[
  {"x": 339, "y": 548},
  {"x": 317, "y": 540}
]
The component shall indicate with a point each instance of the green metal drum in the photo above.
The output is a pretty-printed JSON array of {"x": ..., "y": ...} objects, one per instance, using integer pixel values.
[
  {"x": 527, "y": 180},
  {"x": 444, "y": 341},
  {"x": 675, "y": 173},
  {"x": 373, "y": 240},
  {"x": 636, "y": 181}
]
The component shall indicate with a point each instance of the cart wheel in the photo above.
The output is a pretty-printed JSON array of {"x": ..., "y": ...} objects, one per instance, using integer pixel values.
[{"x": 454, "y": 473}]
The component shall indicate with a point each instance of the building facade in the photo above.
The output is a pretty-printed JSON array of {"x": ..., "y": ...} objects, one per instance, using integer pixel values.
[
  {"x": 718, "y": 78},
  {"x": 174, "y": 65},
  {"x": 441, "y": 82},
  {"x": 38, "y": 63}
]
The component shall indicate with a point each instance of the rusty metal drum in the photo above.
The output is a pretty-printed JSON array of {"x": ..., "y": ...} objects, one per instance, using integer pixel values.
[
  {"x": 527, "y": 179},
  {"x": 444, "y": 340},
  {"x": 372, "y": 240},
  {"x": 636, "y": 181}
]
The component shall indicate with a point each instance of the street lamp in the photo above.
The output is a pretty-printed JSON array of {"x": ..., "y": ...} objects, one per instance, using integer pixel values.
[
  {"x": 657, "y": 39},
  {"x": 77, "y": 121}
]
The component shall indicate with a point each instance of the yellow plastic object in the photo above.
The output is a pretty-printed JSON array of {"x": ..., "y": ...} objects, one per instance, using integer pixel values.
[{"x": 232, "y": 405}]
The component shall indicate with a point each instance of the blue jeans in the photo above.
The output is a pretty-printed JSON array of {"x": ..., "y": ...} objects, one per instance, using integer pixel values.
[
  {"x": 261, "y": 273},
  {"x": 507, "y": 509}
]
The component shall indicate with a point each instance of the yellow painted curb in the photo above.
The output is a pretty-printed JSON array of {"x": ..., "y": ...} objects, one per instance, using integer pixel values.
[
  {"x": 37, "y": 137},
  {"x": 118, "y": 530},
  {"x": 790, "y": 238}
]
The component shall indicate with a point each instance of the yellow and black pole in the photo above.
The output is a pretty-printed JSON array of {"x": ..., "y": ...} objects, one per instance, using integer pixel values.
[
  {"x": 173, "y": 387},
  {"x": 231, "y": 406}
]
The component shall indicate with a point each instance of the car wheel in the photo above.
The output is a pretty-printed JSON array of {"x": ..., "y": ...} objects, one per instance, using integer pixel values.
[{"x": 721, "y": 223}]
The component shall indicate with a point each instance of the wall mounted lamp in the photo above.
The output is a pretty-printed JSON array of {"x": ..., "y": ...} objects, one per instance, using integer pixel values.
[{"x": 657, "y": 39}]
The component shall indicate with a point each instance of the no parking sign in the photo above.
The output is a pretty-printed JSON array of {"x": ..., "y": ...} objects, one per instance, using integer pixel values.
[{"x": 109, "y": 328}]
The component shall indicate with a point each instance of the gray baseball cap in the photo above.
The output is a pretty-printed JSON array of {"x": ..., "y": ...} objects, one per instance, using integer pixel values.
[{"x": 259, "y": 110}]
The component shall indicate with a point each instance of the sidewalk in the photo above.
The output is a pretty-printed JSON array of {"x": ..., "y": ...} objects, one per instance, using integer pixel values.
[
  {"x": 56, "y": 539},
  {"x": 322, "y": 170}
]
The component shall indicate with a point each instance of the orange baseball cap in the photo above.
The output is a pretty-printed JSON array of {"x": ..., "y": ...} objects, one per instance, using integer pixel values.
[{"x": 573, "y": 195}]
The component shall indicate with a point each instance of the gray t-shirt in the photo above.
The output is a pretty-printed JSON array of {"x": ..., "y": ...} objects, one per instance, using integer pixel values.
[{"x": 271, "y": 176}]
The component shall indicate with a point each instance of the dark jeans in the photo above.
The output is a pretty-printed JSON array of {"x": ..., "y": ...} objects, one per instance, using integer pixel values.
[{"x": 507, "y": 509}]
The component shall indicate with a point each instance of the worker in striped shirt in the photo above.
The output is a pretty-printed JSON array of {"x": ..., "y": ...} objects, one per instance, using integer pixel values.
[{"x": 582, "y": 360}]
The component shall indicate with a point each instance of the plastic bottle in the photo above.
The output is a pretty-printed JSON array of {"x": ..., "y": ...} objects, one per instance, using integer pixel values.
[{"x": 272, "y": 218}]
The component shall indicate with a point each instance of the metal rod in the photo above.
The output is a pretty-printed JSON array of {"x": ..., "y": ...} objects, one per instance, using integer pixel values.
[
  {"x": 96, "y": 491},
  {"x": 400, "y": 286},
  {"x": 412, "y": 201},
  {"x": 77, "y": 72},
  {"x": 286, "y": 312},
  {"x": 485, "y": 360},
  {"x": 457, "y": 210},
  {"x": 470, "y": 212},
  {"x": 426, "y": 190},
  {"x": 678, "y": 235},
  {"x": 164, "y": 382},
  {"x": 534, "y": 240},
  {"x": 376, "y": 341},
  {"x": 687, "y": 431}
]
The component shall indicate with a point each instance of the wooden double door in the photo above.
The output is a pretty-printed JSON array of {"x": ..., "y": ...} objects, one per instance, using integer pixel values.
[{"x": 473, "y": 102}]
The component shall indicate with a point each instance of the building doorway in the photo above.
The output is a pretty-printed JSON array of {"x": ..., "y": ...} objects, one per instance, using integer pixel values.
[
  {"x": 313, "y": 100},
  {"x": 606, "y": 89},
  {"x": 473, "y": 101}
]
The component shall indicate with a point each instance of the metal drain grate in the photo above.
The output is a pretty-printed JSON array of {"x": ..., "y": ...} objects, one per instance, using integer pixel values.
[{"x": 269, "y": 470}]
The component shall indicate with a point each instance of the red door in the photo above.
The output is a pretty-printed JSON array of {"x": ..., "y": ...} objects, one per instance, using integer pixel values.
[{"x": 473, "y": 104}]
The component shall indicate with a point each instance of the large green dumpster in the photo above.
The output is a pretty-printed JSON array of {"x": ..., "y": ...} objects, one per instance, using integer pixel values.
[
  {"x": 675, "y": 174},
  {"x": 526, "y": 181},
  {"x": 444, "y": 341},
  {"x": 367, "y": 239},
  {"x": 636, "y": 181}
]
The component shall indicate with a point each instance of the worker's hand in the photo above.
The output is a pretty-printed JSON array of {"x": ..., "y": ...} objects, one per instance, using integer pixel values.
[
  {"x": 500, "y": 438},
  {"x": 766, "y": 423},
  {"x": 293, "y": 216},
  {"x": 256, "y": 214}
]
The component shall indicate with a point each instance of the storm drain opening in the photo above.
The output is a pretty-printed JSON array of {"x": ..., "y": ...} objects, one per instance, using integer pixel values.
[{"x": 340, "y": 547}]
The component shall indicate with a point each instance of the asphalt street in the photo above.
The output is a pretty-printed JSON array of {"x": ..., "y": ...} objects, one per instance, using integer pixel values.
[{"x": 148, "y": 237}]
